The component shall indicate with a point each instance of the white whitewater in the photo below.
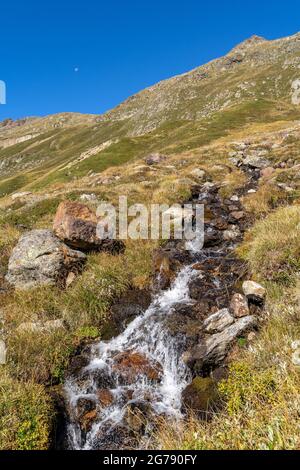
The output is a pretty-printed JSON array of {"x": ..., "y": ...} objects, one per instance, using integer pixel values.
[{"x": 147, "y": 335}]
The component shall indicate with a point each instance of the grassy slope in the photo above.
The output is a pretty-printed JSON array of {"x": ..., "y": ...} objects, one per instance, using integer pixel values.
[{"x": 36, "y": 361}]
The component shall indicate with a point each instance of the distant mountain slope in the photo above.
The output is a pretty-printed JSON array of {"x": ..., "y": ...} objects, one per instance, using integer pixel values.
[{"x": 258, "y": 81}]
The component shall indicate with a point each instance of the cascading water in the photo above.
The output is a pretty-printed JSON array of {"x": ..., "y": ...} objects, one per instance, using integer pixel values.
[{"x": 144, "y": 335}]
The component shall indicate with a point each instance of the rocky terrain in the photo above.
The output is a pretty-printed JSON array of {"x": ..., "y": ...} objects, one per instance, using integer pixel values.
[{"x": 144, "y": 343}]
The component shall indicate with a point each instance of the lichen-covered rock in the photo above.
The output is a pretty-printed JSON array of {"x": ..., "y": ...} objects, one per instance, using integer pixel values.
[
  {"x": 218, "y": 322},
  {"x": 40, "y": 259}
]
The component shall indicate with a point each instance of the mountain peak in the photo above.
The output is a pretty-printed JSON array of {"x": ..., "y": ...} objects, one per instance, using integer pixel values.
[{"x": 252, "y": 41}]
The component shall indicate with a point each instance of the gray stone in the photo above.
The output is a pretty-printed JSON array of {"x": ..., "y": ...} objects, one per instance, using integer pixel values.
[
  {"x": 40, "y": 259},
  {"x": 239, "y": 306},
  {"x": 218, "y": 322},
  {"x": 214, "y": 348}
]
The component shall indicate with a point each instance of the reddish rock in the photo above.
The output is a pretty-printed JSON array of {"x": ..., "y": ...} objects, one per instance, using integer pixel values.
[
  {"x": 87, "y": 420},
  {"x": 239, "y": 306},
  {"x": 267, "y": 172},
  {"x": 105, "y": 397},
  {"x": 130, "y": 365},
  {"x": 76, "y": 225}
]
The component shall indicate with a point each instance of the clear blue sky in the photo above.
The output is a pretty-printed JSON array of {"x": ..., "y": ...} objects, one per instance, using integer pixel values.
[{"x": 118, "y": 46}]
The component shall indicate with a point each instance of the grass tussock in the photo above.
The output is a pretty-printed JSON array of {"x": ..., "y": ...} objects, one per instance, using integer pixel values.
[
  {"x": 260, "y": 397},
  {"x": 25, "y": 414},
  {"x": 272, "y": 246}
]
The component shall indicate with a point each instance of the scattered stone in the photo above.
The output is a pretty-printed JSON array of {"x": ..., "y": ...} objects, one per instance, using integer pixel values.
[
  {"x": 251, "y": 191},
  {"x": 198, "y": 173},
  {"x": 267, "y": 172},
  {"x": 154, "y": 158},
  {"x": 76, "y": 225},
  {"x": 70, "y": 279},
  {"x": 88, "y": 197},
  {"x": 254, "y": 291},
  {"x": 40, "y": 259},
  {"x": 20, "y": 195},
  {"x": 200, "y": 396},
  {"x": 238, "y": 215},
  {"x": 234, "y": 198},
  {"x": 218, "y": 322},
  {"x": 239, "y": 306}
]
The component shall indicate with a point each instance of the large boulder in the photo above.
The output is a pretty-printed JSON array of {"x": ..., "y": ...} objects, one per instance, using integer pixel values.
[
  {"x": 213, "y": 349},
  {"x": 76, "y": 225},
  {"x": 40, "y": 259}
]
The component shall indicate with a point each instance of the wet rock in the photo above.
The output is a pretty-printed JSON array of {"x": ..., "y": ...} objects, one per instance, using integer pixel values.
[
  {"x": 200, "y": 396},
  {"x": 133, "y": 303},
  {"x": 165, "y": 268},
  {"x": 212, "y": 238},
  {"x": 40, "y": 259},
  {"x": 239, "y": 306},
  {"x": 129, "y": 366},
  {"x": 155, "y": 158},
  {"x": 84, "y": 406},
  {"x": 87, "y": 420},
  {"x": 213, "y": 349},
  {"x": 254, "y": 291},
  {"x": 105, "y": 397},
  {"x": 218, "y": 322}
]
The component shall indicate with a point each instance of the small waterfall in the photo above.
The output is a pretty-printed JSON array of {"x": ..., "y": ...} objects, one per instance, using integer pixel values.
[{"x": 147, "y": 336}]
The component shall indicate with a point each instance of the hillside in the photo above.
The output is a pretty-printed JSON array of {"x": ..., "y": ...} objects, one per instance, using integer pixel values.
[{"x": 227, "y": 131}]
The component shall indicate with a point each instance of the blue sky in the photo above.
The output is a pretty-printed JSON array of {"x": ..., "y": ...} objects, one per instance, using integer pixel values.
[{"x": 119, "y": 47}]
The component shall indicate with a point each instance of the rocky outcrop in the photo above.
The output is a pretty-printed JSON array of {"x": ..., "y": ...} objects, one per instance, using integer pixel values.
[
  {"x": 40, "y": 259},
  {"x": 212, "y": 350}
]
